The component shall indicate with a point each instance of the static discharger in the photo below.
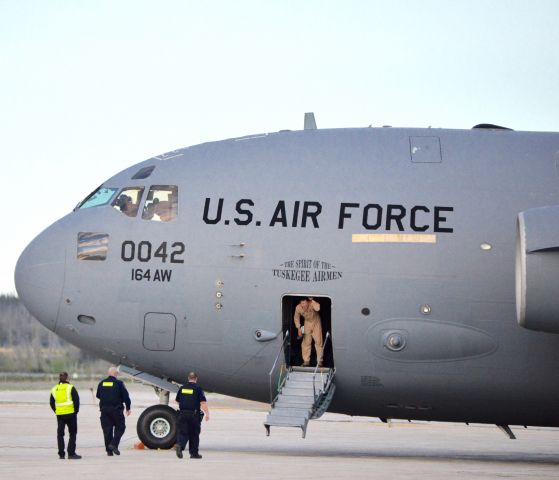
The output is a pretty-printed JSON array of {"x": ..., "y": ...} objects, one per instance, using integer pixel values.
[{"x": 393, "y": 238}]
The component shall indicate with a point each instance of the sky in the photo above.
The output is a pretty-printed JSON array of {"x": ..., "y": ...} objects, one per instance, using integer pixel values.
[{"x": 90, "y": 87}]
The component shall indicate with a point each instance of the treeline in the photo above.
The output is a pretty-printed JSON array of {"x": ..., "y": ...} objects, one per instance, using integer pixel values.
[{"x": 27, "y": 346}]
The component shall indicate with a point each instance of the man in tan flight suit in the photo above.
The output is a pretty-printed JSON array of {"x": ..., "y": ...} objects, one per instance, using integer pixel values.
[{"x": 308, "y": 309}]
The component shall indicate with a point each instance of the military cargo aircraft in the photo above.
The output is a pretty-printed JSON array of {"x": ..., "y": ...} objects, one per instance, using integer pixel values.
[{"x": 432, "y": 253}]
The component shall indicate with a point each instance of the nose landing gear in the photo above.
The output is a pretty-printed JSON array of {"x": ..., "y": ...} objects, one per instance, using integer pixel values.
[{"x": 157, "y": 427}]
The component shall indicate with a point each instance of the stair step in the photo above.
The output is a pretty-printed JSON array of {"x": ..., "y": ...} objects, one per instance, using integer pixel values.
[
  {"x": 306, "y": 402},
  {"x": 286, "y": 421},
  {"x": 301, "y": 417},
  {"x": 305, "y": 378},
  {"x": 293, "y": 404},
  {"x": 307, "y": 388},
  {"x": 306, "y": 399},
  {"x": 300, "y": 384},
  {"x": 297, "y": 411},
  {"x": 293, "y": 390},
  {"x": 307, "y": 369},
  {"x": 301, "y": 375}
]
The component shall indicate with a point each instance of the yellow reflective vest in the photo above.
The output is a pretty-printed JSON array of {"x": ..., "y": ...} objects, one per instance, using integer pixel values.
[{"x": 62, "y": 394}]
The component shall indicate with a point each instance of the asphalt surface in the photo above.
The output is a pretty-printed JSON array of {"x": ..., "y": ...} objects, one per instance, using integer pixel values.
[{"x": 234, "y": 446}]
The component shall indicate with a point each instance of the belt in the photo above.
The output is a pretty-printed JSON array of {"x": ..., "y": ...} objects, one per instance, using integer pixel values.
[{"x": 184, "y": 410}]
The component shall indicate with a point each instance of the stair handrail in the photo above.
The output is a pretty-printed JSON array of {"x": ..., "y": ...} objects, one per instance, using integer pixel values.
[
  {"x": 282, "y": 347},
  {"x": 319, "y": 365}
]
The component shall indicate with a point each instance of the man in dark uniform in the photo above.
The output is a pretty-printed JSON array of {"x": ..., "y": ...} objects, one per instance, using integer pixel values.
[
  {"x": 192, "y": 402},
  {"x": 65, "y": 403},
  {"x": 112, "y": 394}
]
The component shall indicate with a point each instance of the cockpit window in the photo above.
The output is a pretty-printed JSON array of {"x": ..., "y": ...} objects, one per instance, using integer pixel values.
[
  {"x": 93, "y": 246},
  {"x": 99, "y": 197},
  {"x": 143, "y": 173},
  {"x": 128, "y": 200},
  {"x": 161, "y": 204}
]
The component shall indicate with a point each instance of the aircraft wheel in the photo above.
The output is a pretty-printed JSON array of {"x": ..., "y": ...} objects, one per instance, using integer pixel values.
[{"x": 157, "y": 427}]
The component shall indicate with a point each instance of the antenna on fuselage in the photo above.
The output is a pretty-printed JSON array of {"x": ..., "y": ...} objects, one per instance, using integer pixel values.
[{"x": 310, "y": 122}]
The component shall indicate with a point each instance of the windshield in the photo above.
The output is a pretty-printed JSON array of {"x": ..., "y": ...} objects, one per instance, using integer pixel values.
[{"x": 99, "y": 197}]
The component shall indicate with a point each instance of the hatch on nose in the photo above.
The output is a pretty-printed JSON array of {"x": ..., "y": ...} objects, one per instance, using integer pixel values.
[{"x": 39, "y": 276}]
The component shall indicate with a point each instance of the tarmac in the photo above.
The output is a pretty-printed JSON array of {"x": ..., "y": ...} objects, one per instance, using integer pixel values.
[{"x": 234, "y": 446}]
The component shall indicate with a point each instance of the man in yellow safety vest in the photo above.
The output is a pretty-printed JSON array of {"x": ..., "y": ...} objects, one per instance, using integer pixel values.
[{"x": 65, "y": 403}]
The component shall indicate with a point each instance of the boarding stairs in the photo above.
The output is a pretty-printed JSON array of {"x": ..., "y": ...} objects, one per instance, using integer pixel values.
[{"x": 300, "y": 394}]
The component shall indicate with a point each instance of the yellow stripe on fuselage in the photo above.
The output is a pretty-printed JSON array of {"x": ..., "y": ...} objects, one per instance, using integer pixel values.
[{"x": 393, "y": 238}]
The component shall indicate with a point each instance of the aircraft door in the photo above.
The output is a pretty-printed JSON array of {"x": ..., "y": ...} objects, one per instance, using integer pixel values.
[{"x": 293, "y": 352}]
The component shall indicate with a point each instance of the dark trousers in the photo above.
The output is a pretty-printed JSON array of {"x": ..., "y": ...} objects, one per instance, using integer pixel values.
[
  {"x": 188, "y": 431},
  {"x": 113, "y": 425},
  {"x": 70, "y": 421}
]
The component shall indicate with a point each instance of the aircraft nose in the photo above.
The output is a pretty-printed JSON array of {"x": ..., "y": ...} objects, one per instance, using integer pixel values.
[{"x": 39, "y": 276}]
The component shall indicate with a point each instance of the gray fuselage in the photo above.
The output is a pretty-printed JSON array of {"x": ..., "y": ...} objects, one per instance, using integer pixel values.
[{"x": 406, "y": 232}]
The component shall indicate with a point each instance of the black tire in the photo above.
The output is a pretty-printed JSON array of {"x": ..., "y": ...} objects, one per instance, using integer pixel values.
[{"x": 157, "y": 427}]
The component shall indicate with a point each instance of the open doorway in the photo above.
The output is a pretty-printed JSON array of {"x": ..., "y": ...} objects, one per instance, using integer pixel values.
[{"x": 293, "y": 356}]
